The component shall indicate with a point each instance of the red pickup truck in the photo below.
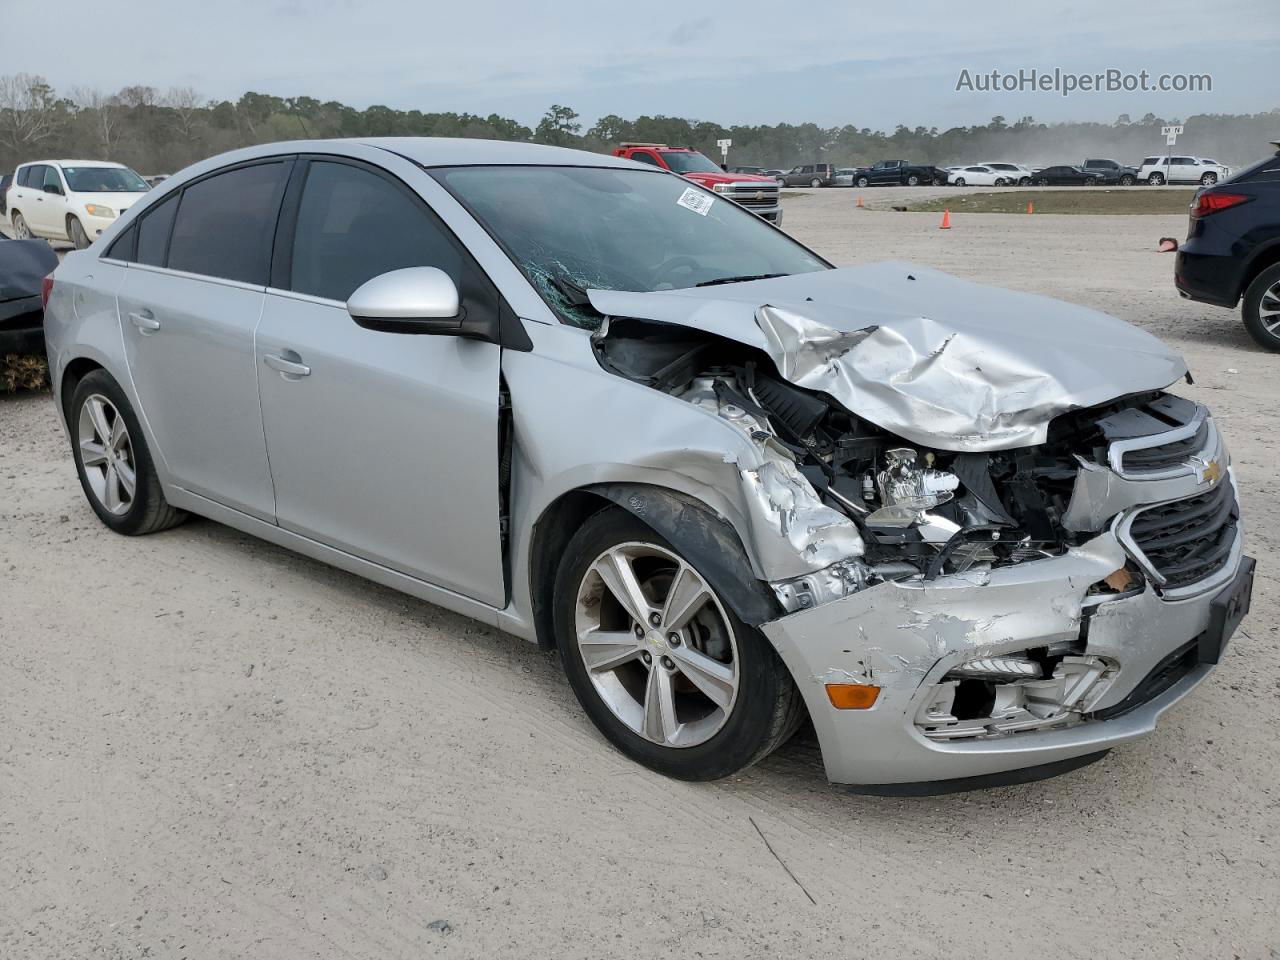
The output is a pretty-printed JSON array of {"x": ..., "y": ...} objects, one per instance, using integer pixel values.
[{"x": 758, "y": 194}]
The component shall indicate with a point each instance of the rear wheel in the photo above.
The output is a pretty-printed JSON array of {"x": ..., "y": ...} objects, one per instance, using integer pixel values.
[
  {"x": 1024, "y": 182},
  {"x": 20, "y": 228},
  {"x": 1042, "y": 182},
  {"x": 76, "y": 233},
  {"x": 1261, "y": 308},
  {"x": 115, "y": 467},
  {"x": 660, "y": 664}
]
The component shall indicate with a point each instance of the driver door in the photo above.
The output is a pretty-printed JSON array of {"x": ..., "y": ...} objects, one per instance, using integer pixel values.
[{"x": 382, "y": 445}]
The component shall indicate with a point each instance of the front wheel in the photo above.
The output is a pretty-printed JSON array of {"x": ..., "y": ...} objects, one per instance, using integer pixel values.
[
  {"x": 1127, "y": 180},
  {"x": 1042, "y": 182},
  {"x": 815, "y": 182},
  {"x": 1209, "y": 179},
  {"x": 913, "y": 181},
  {"x": 959, "y": 181},
  {"x": 1024, "y": 182},
  {"x": 662, "y": 667},
  {"x": 863, "y": 181},
  {"x": 76, "y": 234},
  {"x": 20, "y": 228},
  {"x": 115, "y": 467},
  {"x": 1261, "y": 308}
]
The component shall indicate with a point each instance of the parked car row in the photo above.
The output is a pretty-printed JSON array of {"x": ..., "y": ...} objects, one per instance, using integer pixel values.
[{"x": 998, "y": 173}]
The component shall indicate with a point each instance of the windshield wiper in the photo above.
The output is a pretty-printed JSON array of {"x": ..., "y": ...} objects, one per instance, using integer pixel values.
[{"x": 743, "y": 279}]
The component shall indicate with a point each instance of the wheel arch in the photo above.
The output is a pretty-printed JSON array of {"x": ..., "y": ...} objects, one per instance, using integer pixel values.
[
  {"x": 1268, "y": 256},
  {"x": 700, "y": 534},
  {"x": 75, "y": 371}
]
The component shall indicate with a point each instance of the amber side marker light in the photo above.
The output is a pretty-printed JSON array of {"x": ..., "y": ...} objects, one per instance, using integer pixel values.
[{"x": 852, "y": 696}]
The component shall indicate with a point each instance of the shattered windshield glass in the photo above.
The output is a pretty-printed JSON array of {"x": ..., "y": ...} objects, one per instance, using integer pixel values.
[{"x": 572, "y": 229}]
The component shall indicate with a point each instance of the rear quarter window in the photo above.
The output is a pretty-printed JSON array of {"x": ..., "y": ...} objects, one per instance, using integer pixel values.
[{"x": 225, "y": 224}]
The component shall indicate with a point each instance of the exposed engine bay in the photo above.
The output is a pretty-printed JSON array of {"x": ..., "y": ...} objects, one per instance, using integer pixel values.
[{"x": 919, "y": 512}]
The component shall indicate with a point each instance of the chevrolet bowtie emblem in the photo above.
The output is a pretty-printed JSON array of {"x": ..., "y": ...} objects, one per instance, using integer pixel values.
[
  {"x": 759, "y": 194},
  {"x": 1207, "y": 471}
]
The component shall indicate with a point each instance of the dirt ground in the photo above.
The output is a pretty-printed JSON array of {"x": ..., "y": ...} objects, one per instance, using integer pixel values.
[{"x": 211, "y": 748}]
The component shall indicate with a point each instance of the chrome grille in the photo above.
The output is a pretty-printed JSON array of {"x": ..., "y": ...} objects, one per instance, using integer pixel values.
[
  {"x": 1166, "y": 455},
  {"x": 1188, "y": 540}
]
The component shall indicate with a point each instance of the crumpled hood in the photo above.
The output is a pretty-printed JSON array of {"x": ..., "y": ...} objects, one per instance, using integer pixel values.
[{"x": 937, "y": 360}]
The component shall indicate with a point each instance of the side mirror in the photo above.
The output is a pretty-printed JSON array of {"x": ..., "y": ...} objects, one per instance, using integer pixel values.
[
  {"x": 411, "y": 300},
  {"x": 53, "y": 188}
]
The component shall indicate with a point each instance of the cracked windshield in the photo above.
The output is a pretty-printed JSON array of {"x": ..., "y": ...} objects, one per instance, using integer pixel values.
[{"x": 573, "y": 229}]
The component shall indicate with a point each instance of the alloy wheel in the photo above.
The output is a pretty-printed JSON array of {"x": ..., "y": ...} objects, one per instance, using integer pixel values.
[
  {"x": 1269, "y": 310},
  {"x": 657, "y": 645},
  {"x": 106, "y": 454},
  {"x": 20, "y": 228}
]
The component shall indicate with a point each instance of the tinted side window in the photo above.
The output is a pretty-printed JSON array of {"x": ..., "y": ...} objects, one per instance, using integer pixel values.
[
  {"x": 51, "y": 179},
  {"x": 225, "y": 224},
  {"x": 153, "y": 232},
  {"x": 354, "y": 225},
  {"x": 33, "y": 176}
]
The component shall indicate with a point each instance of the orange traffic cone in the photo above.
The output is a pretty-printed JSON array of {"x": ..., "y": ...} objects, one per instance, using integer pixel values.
[
  {"x": 946, "y": 220},
  {"x": 1031, "y": 207},
  {"x": 859, "y": 204}
]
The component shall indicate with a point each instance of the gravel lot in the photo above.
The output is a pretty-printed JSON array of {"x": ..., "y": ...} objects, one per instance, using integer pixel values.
[{"x": 212, "y": 748}]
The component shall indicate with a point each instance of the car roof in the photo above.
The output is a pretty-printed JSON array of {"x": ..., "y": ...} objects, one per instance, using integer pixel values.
[
  {"x": 75, "y": 163},
  {"x": 452, "y": 151}
]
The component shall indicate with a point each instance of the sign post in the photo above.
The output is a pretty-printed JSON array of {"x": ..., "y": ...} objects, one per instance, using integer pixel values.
[
  {"x": 724, "y": 146},
  {"x": 1170, "y": 138}
]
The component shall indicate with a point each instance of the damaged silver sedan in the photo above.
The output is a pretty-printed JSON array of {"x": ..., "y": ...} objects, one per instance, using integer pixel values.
[{"x": 971, "y": 535}]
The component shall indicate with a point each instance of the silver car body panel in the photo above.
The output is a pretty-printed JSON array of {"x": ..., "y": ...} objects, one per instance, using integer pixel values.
[
  {"x": 928, "y": 356},
  {"x": 980, "y": 378}
]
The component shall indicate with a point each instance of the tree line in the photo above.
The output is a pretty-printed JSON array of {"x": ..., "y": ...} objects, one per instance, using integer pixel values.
[{"x": 156, "y": 131}]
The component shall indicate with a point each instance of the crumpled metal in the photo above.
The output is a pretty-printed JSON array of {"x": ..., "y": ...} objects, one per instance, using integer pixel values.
[{"x": 932, "y": 358}]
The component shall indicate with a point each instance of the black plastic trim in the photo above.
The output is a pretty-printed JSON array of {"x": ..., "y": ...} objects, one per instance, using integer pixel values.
[{"x": 1005, "y": 778}]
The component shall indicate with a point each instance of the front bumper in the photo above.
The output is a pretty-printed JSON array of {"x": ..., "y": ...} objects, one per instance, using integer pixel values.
[{"x": 905, "y": 636}]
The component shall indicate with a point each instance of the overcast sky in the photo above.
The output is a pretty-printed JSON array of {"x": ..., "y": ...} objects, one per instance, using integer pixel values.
[{"x": 738, "y": 61}]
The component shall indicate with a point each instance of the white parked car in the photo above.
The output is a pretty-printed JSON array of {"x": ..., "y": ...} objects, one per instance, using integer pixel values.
[
  {"x": 977, "y": 177},
  {"x": 73, "y": 200},
  {"x": 1015, "y": 173},
  {"x": 1158, "y": 170}
]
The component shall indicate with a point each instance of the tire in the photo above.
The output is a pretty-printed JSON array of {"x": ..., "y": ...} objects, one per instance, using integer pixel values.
[
  {"x": 1209, "y": 179},
  {"x": 913, "y": 181},
  {"x": 1024, "y": 182},
  {"x": 1127, "y": 180},
  {"x": 1263, "y": 295},
  {"x": 76, "y": 234},
  {"x": 959, "y": 181},
  {"x": 711, "y": 739},
  {"x": 1042, "y": 182},
  {"x": 20, "y": 228},
  {"x": 97, "y": 404},
  {"x": 815, "y": 182},
  {"x": 863, "y": 182},
  {"x": 1155, "y": 180},
  {"x": 1001, "y": 181}
]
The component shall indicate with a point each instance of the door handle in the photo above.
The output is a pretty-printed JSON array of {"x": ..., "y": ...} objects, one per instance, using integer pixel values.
[
  {"x": 144, "y": 321},
  {"x": 286, "y": 367}
]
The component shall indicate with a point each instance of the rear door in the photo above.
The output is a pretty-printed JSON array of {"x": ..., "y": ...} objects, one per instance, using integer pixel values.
[
  {"x": 189, "y": 307},
  {"x": 383, "y": 445}
]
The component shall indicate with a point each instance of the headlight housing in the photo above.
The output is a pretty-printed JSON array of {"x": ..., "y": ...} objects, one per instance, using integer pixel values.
[
  {"x": 721, "y": 187},
  {"x": 98, "y": 210}
]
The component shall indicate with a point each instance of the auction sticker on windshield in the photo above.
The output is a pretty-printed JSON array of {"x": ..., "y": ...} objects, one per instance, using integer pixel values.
[{"x": 696, "y": 200}]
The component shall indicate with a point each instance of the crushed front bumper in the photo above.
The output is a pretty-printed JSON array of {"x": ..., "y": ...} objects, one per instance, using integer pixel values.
[{"x": 906, "y": 636}]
